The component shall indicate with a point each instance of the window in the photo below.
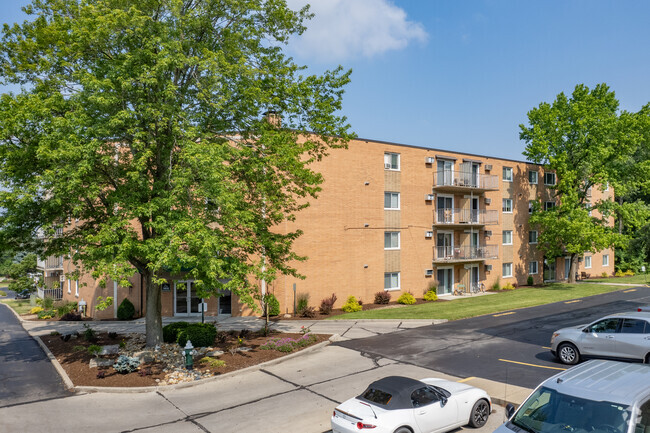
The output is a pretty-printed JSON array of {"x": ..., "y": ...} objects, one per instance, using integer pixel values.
[
  {"x": 507, "y": 237},
  {"x": 532, "y": 268},
  {"x": 507, "y": 174},
  {"x": 587, "y": 262},
  {"x": 507, "y": 205},
  {"x": 548, "y": 205},
  {"x": 391, "y": 240},
  {"x": 635, "y": 326},
  {"x": 532, "y": 177},
  {"x": 606, "y": 186},
  {"x": 549, "y": 178},
  {"x": 377, "y": 396},
  {"x": 423, "y": 396},
  {"x": 76, "y": 288},
  {"x": 69, "y": 286},
  {"x": 391, "y": 281},
  {"x": 531, "y": 206},
  {"x": 532, "y": 237},
  {"x": 391, "y": 200},
  {"x": 605, "y": 259},
  {"x": 391, "y": 161},
  {"x": 605, "y": 326},
  {"x": 507, "y": 270}
]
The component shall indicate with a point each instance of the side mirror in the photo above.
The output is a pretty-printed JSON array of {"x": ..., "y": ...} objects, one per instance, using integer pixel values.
[
  {"x": 510, "y": 410},
  {"x": 585, "y": 330},
  {"x": 443, "y": 401}
]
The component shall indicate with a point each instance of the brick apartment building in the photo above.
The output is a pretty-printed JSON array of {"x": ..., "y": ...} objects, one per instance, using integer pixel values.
[{"x": 398, "y": 218}]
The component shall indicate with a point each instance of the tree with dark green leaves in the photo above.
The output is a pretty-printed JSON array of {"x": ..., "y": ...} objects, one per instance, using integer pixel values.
[
  {"x": 140, "y": 130},
  {"x": 22, "y": 272},
  {"x": 579, "y": 137}
]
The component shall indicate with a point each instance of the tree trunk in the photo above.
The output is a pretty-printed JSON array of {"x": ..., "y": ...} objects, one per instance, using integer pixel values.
[
  {"x": 573, "y": 269},
  {"x": 620, "y": 218},
  {"x": 154, "y": 311}
]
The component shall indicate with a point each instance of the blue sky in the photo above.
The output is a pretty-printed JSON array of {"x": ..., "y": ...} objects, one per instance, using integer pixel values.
[{"x": 461, "y": 75}]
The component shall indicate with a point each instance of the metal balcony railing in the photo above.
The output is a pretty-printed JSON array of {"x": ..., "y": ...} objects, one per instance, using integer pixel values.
[
  {"x": 465, "y": 253},
  {"x": 50, "y": 263},
  {"x": 466, "y": 216},
  {"x": 466, "y": 180}
]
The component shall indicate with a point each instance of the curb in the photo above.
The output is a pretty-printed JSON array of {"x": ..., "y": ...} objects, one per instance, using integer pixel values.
[
  {"x": 66, "y": 380},
  {"x": 143, "y": 389}
]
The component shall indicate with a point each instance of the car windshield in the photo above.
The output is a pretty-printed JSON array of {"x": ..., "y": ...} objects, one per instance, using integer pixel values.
[
  {"x": 548, "y": 411},
  {"x": 377, "y": 396}
]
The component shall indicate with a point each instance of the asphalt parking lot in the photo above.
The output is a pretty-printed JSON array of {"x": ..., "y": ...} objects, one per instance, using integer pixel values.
[{"x": 511, "y": 347}]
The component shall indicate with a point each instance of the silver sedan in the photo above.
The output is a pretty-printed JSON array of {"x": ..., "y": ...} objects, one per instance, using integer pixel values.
[{"x": 618, "y": 336}]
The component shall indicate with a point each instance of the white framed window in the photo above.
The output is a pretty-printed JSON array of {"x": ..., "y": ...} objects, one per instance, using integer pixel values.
[
  {"x": 391, "y": 200},
  {"x": 532, "y": 237},
  {"x": 530, "y": 206},
  {"x": 548, "y": 205},
  {"x": 605, "y": 259},
  {"x": 507, "y": 270},
  {"x": 391, "y": 161},
  {"x": 606, "y": 186},
  {"x": 588, "y": 206},
  {"x": 507, "y": 205},
  {"x": 507, "y": 237},
  {"x": 69, "y": 286},
  {"x": 549, "y": 178},
  {"x": 532, "y": 177},
  {"x": 76, "y": 288},
  {"x": 391, "y": 281},
  {"x": 391, "y": 240},
  {"x": 532, "y": 268},
  {"x": 507, "y": 174},
  {"x": 587, "y": 262}
]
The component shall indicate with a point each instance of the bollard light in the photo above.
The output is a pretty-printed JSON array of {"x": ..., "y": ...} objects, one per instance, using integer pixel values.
[{"x": 189, "y": 360}]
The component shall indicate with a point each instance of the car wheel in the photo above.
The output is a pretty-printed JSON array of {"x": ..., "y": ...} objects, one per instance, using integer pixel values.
[
  {"x": 480, "y": 414},
  {"x": 403, "y": 430},
  {"x": 646, "y": 360},
  {"x": 568, "y": 353}
]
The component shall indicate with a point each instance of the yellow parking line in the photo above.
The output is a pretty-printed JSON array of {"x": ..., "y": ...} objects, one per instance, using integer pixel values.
[
  {"x": 466, "y": 379},
  {"x": 532, "y": 365},
  {"x": 544, "y": 347},
  {"x": 628, "y": 291},
  {"x": 503, "y": 314},
  {"x": 572, "y": 302}
]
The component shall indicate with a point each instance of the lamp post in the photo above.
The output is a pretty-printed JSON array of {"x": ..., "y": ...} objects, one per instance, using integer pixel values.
[{"x": 189, "y": 360}]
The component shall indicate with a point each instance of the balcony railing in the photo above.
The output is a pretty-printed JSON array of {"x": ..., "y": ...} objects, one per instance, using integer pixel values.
[
  {"x": 465, "y": 253},
  {"x": 50, "y": 263},
  {"x": 466, "y": 216},
  {"x": 465, "y": 180}
]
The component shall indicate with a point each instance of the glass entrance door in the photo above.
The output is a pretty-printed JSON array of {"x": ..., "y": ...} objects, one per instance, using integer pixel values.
[
  {"x": 445, "y": 281},
  {"x": 444, "y": 208},
  {"x": 567, "y": 267},
  {"x": 549, "y": 270},
  {"x": 475, "y": 279},
  {"x": 186, "y": 301},
  {"x": 444, "y": 246},
  {"x": 445, "y": 172}
]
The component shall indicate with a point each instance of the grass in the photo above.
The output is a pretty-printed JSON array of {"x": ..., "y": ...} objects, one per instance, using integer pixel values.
[
  {"x": 20, "y": 306},
  {"x": 634, "y": 279},
  {"x": 493, "y": 303}
]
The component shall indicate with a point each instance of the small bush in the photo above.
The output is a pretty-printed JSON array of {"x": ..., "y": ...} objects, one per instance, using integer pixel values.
[
  {"x": 530, "y": 281},
  {"x": 46, "y": 314},
  {"x": 65, "y": 308},
  {"x": 289, "y": 344},
  {"x": 619, "y": 274},
  {"x": 94, "y": 349},
  {"x": 126, "y": 310},
  {"x": 112, "y": 335},
  {"x": 431, "y": 295},
  {"x": 496, "y": 286},
  {"x": 273, "y": 304},
  {"x": 35, "y": 310},
  {"x": 47, "y": 303},
  {"x": 327, "y": 304},
  {"x": 126, "y": 364},
  {"x": 515, "y": 284},
  {"x": 508, "y": 286},
  {"x": 352, "y": 305},
  {"x": 200, "y": 334},
  {"x": 406, "y": 299},
  {"x": 309, "y": 312},
  {"x": 382, "y": 298},
  {"x": 170, "y": 332},
  {"x": 629, "y": 273},
  {"x": 211, "y": 362},
  {"x": 89, "y": 334},
  {"x": 302, "y": 302},
  {"x": 3, "y": 293},
  {"x": 71, "y": 317}
]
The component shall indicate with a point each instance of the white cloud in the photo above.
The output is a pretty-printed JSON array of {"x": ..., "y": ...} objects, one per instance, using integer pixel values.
[{"x": 343, "y": 29}]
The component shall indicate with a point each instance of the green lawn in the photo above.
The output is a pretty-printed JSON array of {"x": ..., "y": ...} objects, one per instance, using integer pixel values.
[
  {"x": 488, "y": 304},
  {"x": 20, "y": 306},
  {"x": 634, "y": 279}
]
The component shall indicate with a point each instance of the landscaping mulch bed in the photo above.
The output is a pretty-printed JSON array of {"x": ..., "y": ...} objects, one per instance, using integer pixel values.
[
  {"x": 338, "y": 311},
  {"x": 75, "y": 359}
]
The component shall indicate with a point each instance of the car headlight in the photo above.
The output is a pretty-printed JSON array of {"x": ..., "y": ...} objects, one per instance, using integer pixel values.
[{"x": 555, "y": 334}]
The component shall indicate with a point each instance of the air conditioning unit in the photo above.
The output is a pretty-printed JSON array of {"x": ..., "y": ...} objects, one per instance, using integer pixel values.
[
  {"x": 62, "y": 278},
  {"x": 488, "y": 200},
  {"x": 488, "y": 233},
  {"x": 429, "y": 197},
  {"x": 428, "y": 234},
  {"x": 429, "y": 160},
  {"x": 428, "y": 272},
  {"x": 387, "y": 165},
  {"x": 488, "y": 167},
  {"x": 488, "y": 268}
]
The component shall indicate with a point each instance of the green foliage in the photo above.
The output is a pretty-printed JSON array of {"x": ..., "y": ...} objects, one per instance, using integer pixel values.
[
  {"x": 604, "y": 275},
  {"x": 65, "y": 307},
  {"x": 212, "y": 362},
  {"x": 351, "y": 305},
  {"x": 89, "y": 333},
  {"x": 3, "y": 293},
  {"x": 102, "y": 304},
  {"x": 530, "y": 281},
  {"x": 508, "y": 286},
  {"x": 287, "y": 344},
  {"x": 273, "y": 304},
  {"x": 431, "y": 295},
  {"x": 21, "y": 271},
  {"x": 46, "y": 314},
  {"x": 496, "y": 286},
  {"x": 126, "y": 364},
  {"x": 406, "y": 299},
  {"x": 170, "y": 332},
  {"x": 78, "y": 348},
  {"x": 94, "y": 349},
  {"x": 47, "y": 303},
  {"x": 122, "y": 105},
  {"x": 302, "y": 302},
  {"x": 126, "y": 310},
  {"x": 35, "y": 310},
  {"x": 382, "y": 297},
  {"x": 200, "y": 334}
]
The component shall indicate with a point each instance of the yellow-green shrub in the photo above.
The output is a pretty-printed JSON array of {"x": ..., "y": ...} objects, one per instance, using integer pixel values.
[
  {"x": 508, "y": 286},
  {"x": 604, "y": 275},
  {"x": 351, "y": 305},
  {"x": 431, "y": 296},
  {"x": 406, "y": 298},
  {"x": 619, "y": 273},
  {"x": 628, "y": 273},
  {"x": 35, "y": 310}
]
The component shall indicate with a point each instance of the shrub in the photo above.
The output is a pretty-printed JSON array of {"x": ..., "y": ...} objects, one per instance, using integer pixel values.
[
  {"x": 200, "y": 334},
  {"x": 303, "y": 302},
  {"x": 309, "y": 312},
  {"x": 65, "y": 308},
  {"x": 619, "y": 274},
  {"x": 112, "y": 335},
  {"x": 351, "y": 305},
  {"x": 47, "y": 303},
  {"x": 94, "y": 349},
  {"x": 508, "y": 286},
  {"x": 126, "y": 364},
  {"x": 382, "y": 298},
  {"x": 126, "y": 310},
  {"x": 273, "y": 304},
  {"x": 3, "y": 293},
  {"x": 46, "y": 314},
  {"x": 71, "y": 317},
  {"x": 211, "y": 362},
  {"x": 170, "y": 332},
  {"x": 604, "y": 275},
  {"x": 35, "y": 310},
  {"x": 530, "y": 280},
  {"x": 496, "y": 286},
  {"x": 289, "y": 344},
  {"x": 89, "y": 333},
  {"x": 406, "y": 299},
  {"x": 431, "y": 295},
  {"x": 327, "y": 304},
  {"x": 629, "y": 273}
]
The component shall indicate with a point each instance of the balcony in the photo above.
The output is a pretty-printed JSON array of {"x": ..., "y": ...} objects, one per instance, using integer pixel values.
[
  {"x": 51, "y": 263},
  {"x": 464, "y": 181},
  {"x": 463, "y": 254},
  {"x": 465, "y": 217}
]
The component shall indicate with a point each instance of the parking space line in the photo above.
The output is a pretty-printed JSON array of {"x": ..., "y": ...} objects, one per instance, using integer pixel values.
[
  {"x": 544, "y": 347},
  {"x": 572, "y": 302},
  {"x": 503, "y": 314},
  {"x": 466, "y": 379},
  {"x": 628, "y": 291},
  {"x": 532, "y": 365}
]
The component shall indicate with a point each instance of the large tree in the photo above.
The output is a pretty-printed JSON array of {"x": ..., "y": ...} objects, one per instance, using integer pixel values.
[
  {"x": 143, "y": 121},
  {"x": 579, "y": 138}
]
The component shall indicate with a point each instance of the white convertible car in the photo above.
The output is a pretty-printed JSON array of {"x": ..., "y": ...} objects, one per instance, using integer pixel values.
[{"x": 398, "y": 404}]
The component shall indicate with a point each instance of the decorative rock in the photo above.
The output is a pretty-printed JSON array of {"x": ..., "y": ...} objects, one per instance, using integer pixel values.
[
  {"x": 244, "y": 349},
  {"x": 214, "y": 353},
  {"x": 101, "y": 362},
  {"x": 111, "y": 349},
  {"x": 145, "y": 356}
]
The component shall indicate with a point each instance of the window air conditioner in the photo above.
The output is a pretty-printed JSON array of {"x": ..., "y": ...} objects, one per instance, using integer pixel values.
[
  {"x": 387, "y": 165},
  {"x": 488, "y": 233},
  {"x": 488, "y": 167},
  {"x": 429, "y": 160},
  {"x": 488, "y": 200},
  {"x": 488, "y": 268},
  {"x": 429, "y": 197},
  {"x": 428, "y": 272},
  {"x": 428, "y": 234}
]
